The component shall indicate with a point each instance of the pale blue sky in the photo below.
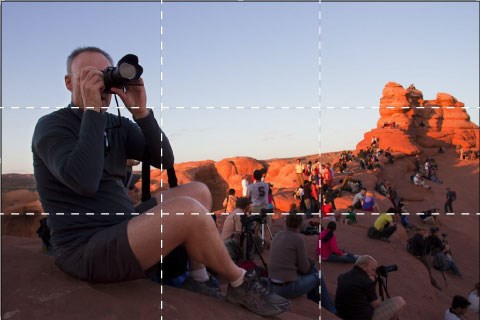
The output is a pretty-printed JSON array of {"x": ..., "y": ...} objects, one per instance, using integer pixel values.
[{"x": 242, "y": 55}]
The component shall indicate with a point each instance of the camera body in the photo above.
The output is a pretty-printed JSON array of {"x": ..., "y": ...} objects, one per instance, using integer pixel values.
[
  {"x": 127, "y": 71},
  {"x": 385, "y": 270}
]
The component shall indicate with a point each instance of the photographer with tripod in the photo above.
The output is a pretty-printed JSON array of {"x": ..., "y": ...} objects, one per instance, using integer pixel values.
[{"x": 356, "y": 297}]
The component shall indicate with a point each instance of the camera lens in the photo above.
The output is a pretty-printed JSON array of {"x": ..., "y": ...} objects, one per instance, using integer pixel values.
[{"x": 127, "y": 71}]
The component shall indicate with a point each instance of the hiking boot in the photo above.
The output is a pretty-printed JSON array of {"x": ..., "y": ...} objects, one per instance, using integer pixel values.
[
  {"x": 257, "y": 298},
  {"x": 208, "y": 288}
]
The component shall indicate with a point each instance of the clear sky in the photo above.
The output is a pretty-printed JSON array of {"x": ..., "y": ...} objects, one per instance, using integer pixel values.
[{"x": 242, "y": 55}]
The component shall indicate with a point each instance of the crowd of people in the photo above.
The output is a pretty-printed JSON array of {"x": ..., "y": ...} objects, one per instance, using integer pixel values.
[{"x": 470, "y": 154}]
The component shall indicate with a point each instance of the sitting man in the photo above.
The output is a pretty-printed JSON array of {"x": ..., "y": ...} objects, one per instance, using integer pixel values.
[
  {"x": 442, "y": 258},
  {"x": 291, "y": 273},
  {"x": 458, "y": 308},
  {"x": 356, "y": 297},
  {"x": 358, "y": 199},
  {"x": 418, "y": 246},
  {"x": 79, "y": 157},
  {"x": 383, "y": 227},
  {"x": 419, "y": 181}
]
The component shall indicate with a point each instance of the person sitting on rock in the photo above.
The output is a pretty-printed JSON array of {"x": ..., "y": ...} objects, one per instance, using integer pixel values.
[
  {"x": 442, "y": 258},
  {"x": 327, "y": 211},
  {"x": 457, "y": 309},
  {"x": 358, "y": 199},
  {"x": 418, "y": 246},
  {"x": 356, "y": 297},
  {"x": 79, "y": 157},
  {"x": 290, "y": 271},
  {"x": 230, "y": 201},
  {"x": 381, "y": 187},
  {"x": 369, "y": 202},
  {"x": 328, "y": 249},
  {"x": 419, "y": 181},
  {"x": 384, "y": 226},
  {"x": 474, "y": 298}
]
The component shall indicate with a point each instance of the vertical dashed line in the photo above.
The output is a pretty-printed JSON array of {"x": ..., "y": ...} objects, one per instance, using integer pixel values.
[
  {"x": 161, "y": 145},
  {"x": 319, "y": 132}
]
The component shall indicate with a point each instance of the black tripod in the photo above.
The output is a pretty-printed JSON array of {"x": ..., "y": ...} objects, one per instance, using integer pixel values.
[
  {"x": 247, "y": 234},
  {"x": 382, "y": 286}
]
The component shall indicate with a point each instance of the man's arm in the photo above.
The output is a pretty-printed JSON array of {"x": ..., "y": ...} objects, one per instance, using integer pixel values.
[
  {"x": 148, "y": 135},
  {"x": 77, "y": 163}
]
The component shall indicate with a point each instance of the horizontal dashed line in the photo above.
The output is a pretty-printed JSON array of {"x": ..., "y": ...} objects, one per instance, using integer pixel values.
[
  {"x": 242, "y": 108},
  {"x": 226, "y": 213}
]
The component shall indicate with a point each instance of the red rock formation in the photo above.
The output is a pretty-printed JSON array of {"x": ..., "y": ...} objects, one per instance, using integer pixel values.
[{"x": 421, "y": 123}]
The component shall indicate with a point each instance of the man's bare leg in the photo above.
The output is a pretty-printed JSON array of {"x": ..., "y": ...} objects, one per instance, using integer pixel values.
[
  {"x": 197, "y": 232},
  {"x": 195, "y": 190}
]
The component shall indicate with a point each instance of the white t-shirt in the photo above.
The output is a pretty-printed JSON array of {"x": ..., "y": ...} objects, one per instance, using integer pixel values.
[
  {"x": 258, "y": 193},
  {"x": 450, "y": 316},
  {"x": 244, "y": 187},
  {"x": 473, "y": 299}
]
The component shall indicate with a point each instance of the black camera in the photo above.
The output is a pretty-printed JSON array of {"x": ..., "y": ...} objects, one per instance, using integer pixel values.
[
  {"x": 384, "y": 270},
  {"x": 126, "y": 71}
]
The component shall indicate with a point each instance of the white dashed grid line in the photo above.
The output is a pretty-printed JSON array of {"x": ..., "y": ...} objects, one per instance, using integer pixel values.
[{"x": 161, "y": 108}]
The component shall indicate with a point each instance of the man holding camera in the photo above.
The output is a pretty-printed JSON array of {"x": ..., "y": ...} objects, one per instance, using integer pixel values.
[
  {"x": 80, "y": 155},
  {"x": 356, "y": 297}
]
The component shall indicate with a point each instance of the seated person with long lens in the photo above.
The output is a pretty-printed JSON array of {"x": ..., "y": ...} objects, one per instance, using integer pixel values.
[
  {"x": 356, "y": 297},
  {"x": 80, "y": 155},
  {"x": 290, "y": 271}
]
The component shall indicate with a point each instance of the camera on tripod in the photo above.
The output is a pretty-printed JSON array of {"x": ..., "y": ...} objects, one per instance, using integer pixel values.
[
  {"x": 125, "y": 73},
  {"x": 382, "y": 272},
  {"x": 385, "y": 270}
]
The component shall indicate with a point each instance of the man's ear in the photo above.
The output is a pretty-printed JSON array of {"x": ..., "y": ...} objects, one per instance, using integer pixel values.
[{"x": 68, "y": 82}]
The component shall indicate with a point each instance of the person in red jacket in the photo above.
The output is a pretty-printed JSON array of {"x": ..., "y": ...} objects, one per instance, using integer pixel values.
[{"x": 328, "y": 249}]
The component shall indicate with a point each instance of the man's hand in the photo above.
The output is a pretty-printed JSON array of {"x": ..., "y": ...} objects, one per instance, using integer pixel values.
[
  {"x": 135, "y": 98},
  {"x": 91, "y": 88}
]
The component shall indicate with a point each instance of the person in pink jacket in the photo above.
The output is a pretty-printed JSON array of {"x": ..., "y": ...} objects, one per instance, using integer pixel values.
[{"x": 328, "y": 249}]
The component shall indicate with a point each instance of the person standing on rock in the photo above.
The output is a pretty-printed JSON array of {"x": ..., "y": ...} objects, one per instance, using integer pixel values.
[
  {"x": 258, "y": 193},
  {"x": 79, "y": 157},
  {"x": 299, "y": 168},
  {"x": 450, "y": 197},
  {"x": 244, "y": 185}
]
